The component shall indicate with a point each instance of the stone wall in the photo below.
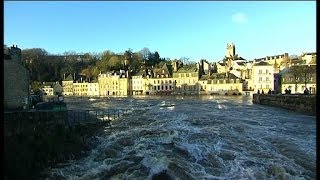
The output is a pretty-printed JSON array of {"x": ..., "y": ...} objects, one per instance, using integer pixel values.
[
  {"x": 301, "y": 103},
  {"x": 16, "y": 85},
  {"x": 33, "y": 144}
]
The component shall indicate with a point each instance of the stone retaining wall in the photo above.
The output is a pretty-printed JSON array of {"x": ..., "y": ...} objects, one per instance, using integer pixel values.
[
  {"x": 305, "y": 104},
  {"x": 33, "y": 143}
]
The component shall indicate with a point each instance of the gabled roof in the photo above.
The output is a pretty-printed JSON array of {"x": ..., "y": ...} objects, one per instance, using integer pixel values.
[
  {"x": 49, "y": 83},
  {"x": 94, "y": 81},
  {"x": 284, "y": 71},
  {"x": 204, "y": 77},
  {"x": 169, "y": 68},
  {"x": 188, "y": 68},
  {"x": 240, "y": 58},
  {"x": 262, "y": 63},
  {"x": 56, "y": 85},
  {"x": 140, "y": 73},
  {"x": 165, "y": 69},
  {"x": 310, "y": 53},
  {"x": 223, "y": 76},
  {"x": 241, "y": 63},
  {"x": 69, "y": 78}
]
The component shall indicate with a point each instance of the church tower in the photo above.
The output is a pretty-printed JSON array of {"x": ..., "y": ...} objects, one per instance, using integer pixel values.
[
  {"x": 231, "y": 50},
  {"x": 230, "y": 55}
]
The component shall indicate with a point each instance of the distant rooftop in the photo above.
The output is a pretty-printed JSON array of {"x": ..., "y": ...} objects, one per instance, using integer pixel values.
[
  {"x": 188, "y": 68},
  {"x": 262, "y": 63}
]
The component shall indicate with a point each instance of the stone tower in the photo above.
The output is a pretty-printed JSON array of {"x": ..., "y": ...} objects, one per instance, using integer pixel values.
[{"x": 231, "y": 50}]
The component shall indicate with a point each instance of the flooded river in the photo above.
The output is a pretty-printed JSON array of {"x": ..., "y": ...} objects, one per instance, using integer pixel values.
[{"x": 207, "y": 137}]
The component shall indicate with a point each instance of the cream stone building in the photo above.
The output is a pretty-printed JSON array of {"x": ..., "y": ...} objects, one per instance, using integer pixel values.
[
  {"x": 80, "y": 89},
  {"x": 298, "y": 86},
  {"x": 220, "y": 84},
  {"x": 309, "y": 58},
  {"x": 48, "y": 90},
  {"x": 93, "y": 89},
  {"x": 161, "y": 85},
  {"x": 113, "y": 84},
  {"x": 104, "y": 81},
  {"x": 186, "y": 80},
  {"x": 220, "y": 67},
  {"x": 123, "y": 86},
  {"x": 263, "y": 76},
  {"x": 137, "y": 86},
  {"x": 162, "y": 81},
  {"x": 67, "y": 86}
]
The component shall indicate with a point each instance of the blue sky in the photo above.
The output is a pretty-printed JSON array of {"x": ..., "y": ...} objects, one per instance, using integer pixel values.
[{"x": 175, "y": 29}]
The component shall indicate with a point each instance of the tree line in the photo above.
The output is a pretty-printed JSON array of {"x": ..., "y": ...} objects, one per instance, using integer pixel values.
[{"x": 45, "y": 67}]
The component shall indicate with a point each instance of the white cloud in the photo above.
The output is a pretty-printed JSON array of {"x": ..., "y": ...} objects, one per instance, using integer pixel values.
[{"x": 239, "y": 18}]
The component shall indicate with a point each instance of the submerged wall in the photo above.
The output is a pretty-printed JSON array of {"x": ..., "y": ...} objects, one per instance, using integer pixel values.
[{"x": 301, "y": 103}]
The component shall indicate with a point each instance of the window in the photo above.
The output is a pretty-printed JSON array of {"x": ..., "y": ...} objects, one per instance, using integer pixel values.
[
  {"x": 267, "y": 71},
  {"x": 267, "y": 78},
  {"x": 260, "y": 71},
  {"x": 290, "y": 79},
  {"x": 267, "y": 86},
  {"x": 260, "y": 78}
]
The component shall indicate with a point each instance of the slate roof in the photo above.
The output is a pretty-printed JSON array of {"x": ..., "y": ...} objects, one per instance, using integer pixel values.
[
  {"x": 49, "y": 83},
  {"x": 69, "y": 78},
  {"x": 241, "y": 63},
  {"x": 141, "y": 72},
  {"x": 165, "y": 69},
  {"x": 262, "y": 63},
  {"x": 223, "y": 76},
  {"x": 188, "y": 68},
  {"x": 222, "y": 64}
]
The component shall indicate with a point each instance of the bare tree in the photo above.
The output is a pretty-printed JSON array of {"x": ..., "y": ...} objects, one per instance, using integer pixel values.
[
  {"x": 296, "y": 73},
  {"x": 307, "y": 72}
]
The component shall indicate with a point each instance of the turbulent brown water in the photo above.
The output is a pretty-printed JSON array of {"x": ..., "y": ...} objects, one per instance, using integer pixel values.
[{"x": 207, "y": 137}]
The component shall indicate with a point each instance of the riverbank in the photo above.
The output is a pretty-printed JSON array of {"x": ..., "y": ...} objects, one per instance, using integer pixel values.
[
  {"x": 32, "y": 150},
  {"x": 305, "y": 104}
]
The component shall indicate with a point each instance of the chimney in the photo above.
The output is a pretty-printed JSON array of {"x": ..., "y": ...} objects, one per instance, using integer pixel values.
[
  {"x": 74, "y": 76},
  {"x": 64, "y": 76}
]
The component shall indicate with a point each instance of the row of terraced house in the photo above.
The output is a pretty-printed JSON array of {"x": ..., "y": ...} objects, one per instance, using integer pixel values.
[{"x": 232, "y": 75}]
